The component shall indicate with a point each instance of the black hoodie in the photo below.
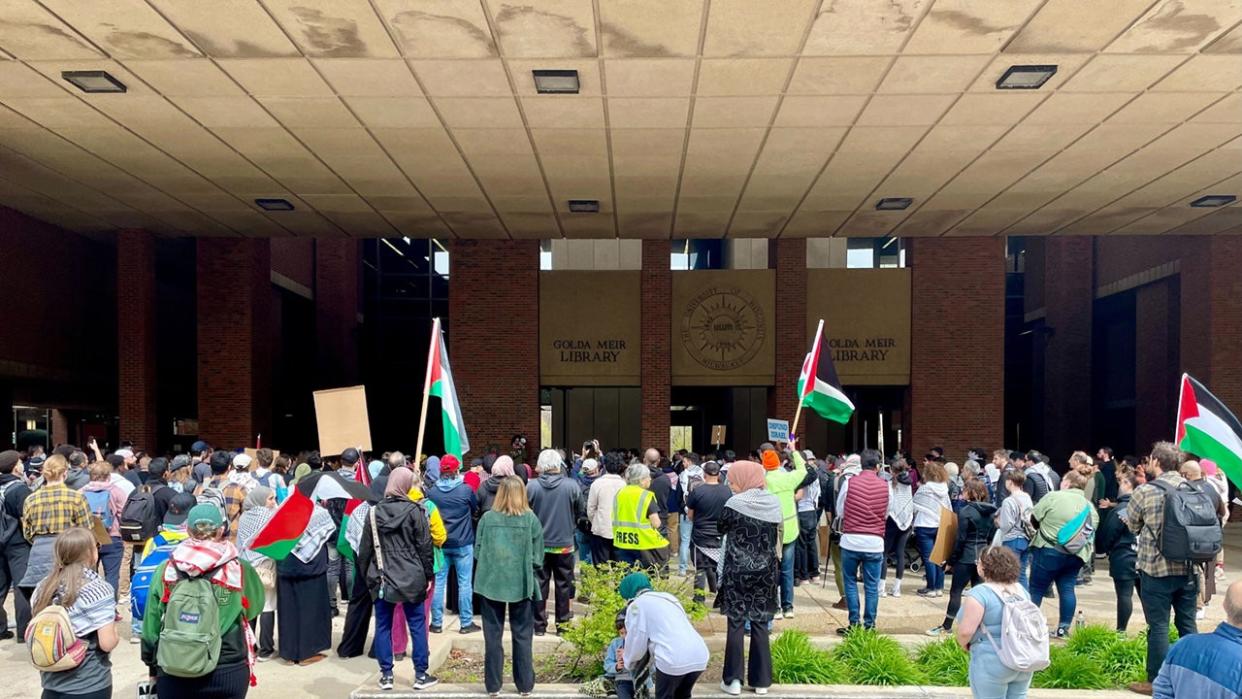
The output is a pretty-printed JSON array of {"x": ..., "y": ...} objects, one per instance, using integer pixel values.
[
  {"x": 487, "y": 493},
  {"x": 975, "y": 528},
  {"x": 405, "y": 548}
]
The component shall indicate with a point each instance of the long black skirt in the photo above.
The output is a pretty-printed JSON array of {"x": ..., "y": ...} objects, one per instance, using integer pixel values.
[{"x": 303, "y": 617}]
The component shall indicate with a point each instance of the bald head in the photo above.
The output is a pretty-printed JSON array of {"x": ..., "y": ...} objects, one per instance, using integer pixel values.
[
  {"x": 1233, "y": 604},
  {"x": 651, "y": 457},
  {"x": 1191, "y": 471}
]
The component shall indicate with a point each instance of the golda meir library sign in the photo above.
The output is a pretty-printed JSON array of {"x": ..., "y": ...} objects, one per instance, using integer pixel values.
[{"x": 589, "y": 325}]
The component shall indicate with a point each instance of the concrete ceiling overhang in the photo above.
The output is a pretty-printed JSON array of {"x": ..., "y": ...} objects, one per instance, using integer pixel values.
[{"x": 696, "y": 118}]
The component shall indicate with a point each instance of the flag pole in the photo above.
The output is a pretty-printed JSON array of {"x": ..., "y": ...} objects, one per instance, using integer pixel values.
[
  {"x": 422, "y": 418},
  {"x": 793, "y": 429}
]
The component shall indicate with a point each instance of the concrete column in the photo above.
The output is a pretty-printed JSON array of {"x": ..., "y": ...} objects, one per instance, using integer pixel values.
[
  {"x": 136, "y": 333},
  {"x": 493, "y": 340},
  {"x": 1211, "y": 316},
  {"x": 234, "y": 340},
  {"x": 337, "y": 263},
  {"x": 656, "y": 343},
  {"x": 957, "y": 364}
]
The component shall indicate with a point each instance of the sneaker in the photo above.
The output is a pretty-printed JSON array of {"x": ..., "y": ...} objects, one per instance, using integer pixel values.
[
  {"x": 435, "y": 628},
  {"x": 840, "y": 604},
  {"x": 1220, "y": 572},
  {"x": 733, "y": 688},
  {"x": 1201, "y": 614},
  {"x": 541, "y": 632},
  {"x": 1061, "y": 632},
  {"x": 761, "y": 691},
  {"x": 133, "y": 640},
  {"x": 385, "y": 681},
  {"x": 788, "y": 613},
  {"x": 425, "y": 681},
  {"x": 939, "y": 593},
  {"x": 1141, "y": 688},
  {"x": 935, "y": 631},
  {"x": 265, "y": 657},
  {"x": 469, "y": 628},
  {"x": 896, "y": 588},
  {"x": 797, "y": 583},
  {"x": 925, "y": 592},
  {"x": 843, "y": 630}
]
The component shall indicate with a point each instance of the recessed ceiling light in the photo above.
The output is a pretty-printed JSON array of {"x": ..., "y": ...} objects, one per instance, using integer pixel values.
[
  {"x": 1214, "y": 200},
  {"x": 274, "y": 204},
  {"x": 93, "y": 81},
  {"x": 1025, "y": 77},
  {"x": 893, "y": 203},
  {"x": 584, "y": 206},
  {"x": 556, "y": 82}
]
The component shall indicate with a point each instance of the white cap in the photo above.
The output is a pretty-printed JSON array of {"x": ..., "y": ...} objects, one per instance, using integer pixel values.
[
  {"x": 241, "y": 461},
  {"x": 124, "y": 453}
]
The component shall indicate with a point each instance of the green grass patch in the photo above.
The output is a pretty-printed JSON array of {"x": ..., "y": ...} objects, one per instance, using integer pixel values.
[
  {"x": 1070, "y": 671},
  {"x": 796, "y": 661},
  {"x": 871, "y": 658},
  {"x": 944, "y": 663}
]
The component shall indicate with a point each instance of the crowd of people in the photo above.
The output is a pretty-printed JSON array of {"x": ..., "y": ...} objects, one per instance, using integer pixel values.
[{"x": 503, "y": 537}]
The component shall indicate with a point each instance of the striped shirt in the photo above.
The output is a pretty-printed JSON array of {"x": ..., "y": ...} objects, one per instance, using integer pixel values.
[{"x": 93, "y": 608}]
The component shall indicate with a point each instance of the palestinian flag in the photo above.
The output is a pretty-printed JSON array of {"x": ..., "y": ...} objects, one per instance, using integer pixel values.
[
  {"x": 1207, "y": 429},
  {"x": 818, "y": 386},
  {"x": 282, "y": 532},
  {"x": 440, "y": 383}
]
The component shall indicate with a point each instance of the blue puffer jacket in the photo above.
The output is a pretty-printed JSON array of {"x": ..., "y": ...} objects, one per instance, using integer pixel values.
[
  {"x": 458, "y": 507},
  {"x": 1203, "y": 666}
]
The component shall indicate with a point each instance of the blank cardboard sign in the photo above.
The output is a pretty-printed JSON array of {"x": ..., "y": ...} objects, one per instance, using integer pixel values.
[{"x": 341, "y": 416}]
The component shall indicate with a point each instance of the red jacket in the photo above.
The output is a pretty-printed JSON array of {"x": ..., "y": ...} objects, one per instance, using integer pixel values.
[{"x": 866, "y": 505}]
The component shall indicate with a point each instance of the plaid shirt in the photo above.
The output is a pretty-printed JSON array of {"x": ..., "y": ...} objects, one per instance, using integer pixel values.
[
  {"x": 54, "y": 508},
  {"x": 1146, "y": 520},
  {"x": 234, "y": 494}
]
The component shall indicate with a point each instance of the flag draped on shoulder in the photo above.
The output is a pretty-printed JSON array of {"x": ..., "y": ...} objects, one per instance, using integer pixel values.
[
  {"x": 1207, "y": 429},
  {"x": 818, "y": 386},
  {"x": 441, "y": 386},
  {"x": 284, "y": 530}
]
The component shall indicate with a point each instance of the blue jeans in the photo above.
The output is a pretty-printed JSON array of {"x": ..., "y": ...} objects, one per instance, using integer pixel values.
[
  {"x": 460, "y": 559},
  {"x": 787, "y": 568},
  {"x": 871, "y": 564},
  {"x": 683, "y": 554},
  {"x": 925, "y": 539},
  {"x": 416, "y": 618},
  {"x": 1021, "y": 547},
  {"x": 991, "y": 680},
  {"x": 583, "y": 547},
  {"x": 110, "y": 556},
  {"x": 1051, "y": 566}
]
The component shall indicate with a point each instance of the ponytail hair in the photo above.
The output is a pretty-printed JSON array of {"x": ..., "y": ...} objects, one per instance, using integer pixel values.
[{"x": 71, "y": 557}]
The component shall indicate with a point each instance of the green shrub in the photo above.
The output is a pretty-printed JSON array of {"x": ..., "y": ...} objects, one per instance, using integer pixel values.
[
  {"x": 1125, "y": 661},
  {"x": 591, "y": 633},
  {"x": 1091, "y": 641},
  {"x": 944, "y": 662},
  {"x": 796, "y": 661},
  {"x": 1070, "y": 671},
  {"x": 867, "y": 657}
]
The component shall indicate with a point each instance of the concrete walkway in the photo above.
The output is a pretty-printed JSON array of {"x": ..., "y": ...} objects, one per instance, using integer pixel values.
[{"x": 784, "y": 691}]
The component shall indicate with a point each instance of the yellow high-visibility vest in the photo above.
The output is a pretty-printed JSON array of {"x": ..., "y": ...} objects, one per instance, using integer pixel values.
[{"x": 631, "y": 527}]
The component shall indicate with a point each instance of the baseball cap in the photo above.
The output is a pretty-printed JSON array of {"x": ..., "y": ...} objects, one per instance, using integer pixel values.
[
  {"x": 179, "y": 462},
  {"x": 349, "y": 456},
  {"x": 590, "y": 466},
  {"x": 199, "y": 447},
  {"x": 125, "y": 453},
  {"x": 205, "y": 513},
  {"x": 449, "y": 464},
  {"x": 810, "y": 455},
  {"x": 241, "y": 462},
  {"x": 179, "y": 508}
]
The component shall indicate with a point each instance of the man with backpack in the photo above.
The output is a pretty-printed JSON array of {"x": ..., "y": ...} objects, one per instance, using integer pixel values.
[
  {"x": 1177, "y": 530},
  {"x": 691, "y": 477},
  {"x": 222, "y": 493},
  {"x": 171, "y": 532},
  {"x": 14, "y": 549},
  {"x": 1040, "y": 480},
  {"x": 145, "y": 509}
]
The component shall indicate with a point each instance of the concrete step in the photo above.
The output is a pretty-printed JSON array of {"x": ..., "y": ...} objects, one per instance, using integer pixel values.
[{"x": 787, "y": 691}]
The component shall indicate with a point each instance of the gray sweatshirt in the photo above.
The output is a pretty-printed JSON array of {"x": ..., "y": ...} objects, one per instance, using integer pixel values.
[{"x": 1014, "y": 510}]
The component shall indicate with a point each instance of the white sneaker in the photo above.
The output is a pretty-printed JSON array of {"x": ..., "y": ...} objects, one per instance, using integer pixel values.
[
  {"x": 135, "y": 640},
  {"x": 896, "y": 588},
  {"x": 1201, "y": 614},
  {"x": 788, "y": 613},
  {"x": 940, "y": 593},
  {"x": 733, "y": 688},
  {"x": 761, "y": 691}
]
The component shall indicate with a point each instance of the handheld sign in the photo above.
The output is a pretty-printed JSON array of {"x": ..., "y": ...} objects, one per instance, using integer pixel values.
[
  {"x": 718, "y": 434},
  {"x": 341, "y": 416},
  {"x": 778, "y": 430}
]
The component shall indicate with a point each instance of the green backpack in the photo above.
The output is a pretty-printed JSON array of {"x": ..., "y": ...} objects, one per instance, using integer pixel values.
[{"x": 189, "y": 643}]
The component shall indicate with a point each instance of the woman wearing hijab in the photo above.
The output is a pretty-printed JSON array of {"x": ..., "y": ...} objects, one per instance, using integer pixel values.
[
  {"x": 502, "y": 468},
  {"x": 304, "y": 616},
  {"x": 302, "y": 471},
  {"x": 396, "y": 553},
  {"x": 751, "y": 525},
  {"x": 257, "y": 510}
]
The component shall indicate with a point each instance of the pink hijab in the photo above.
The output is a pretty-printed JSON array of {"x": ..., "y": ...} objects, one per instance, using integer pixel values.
[
  {"x": 746, "y": 475},
  {"x": 399, "y": 483},
  {"x": 503, "y": 467}
]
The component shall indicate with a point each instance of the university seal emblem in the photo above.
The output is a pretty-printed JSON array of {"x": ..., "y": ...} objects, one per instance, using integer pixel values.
[{"x": 723, "y": 328}]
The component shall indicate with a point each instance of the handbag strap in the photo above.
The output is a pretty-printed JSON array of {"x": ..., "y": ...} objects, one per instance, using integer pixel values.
[{"x": 379, "y": 555}]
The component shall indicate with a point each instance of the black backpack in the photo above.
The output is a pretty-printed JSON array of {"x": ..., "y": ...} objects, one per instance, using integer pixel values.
[
  {"x": 139, "y": 520},
  {"x": 9, "y": 525},
  {"x": 1191, "y": 531}
]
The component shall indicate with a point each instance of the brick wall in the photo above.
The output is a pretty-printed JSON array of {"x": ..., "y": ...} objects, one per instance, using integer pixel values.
[
  {"x": 294, "y": 258},
  {"x": 656, "y": 343},
  {"x": 957, "y": 325},
  {"x": 788, "y": 257},
  {"x": 337, "y": 267},
  {"x": 136, "y": 336},
  {"x": 234, "y": 302},
  {"x": 493, "y": 339},
  {"x": 1156, "y": 361},
  {"x": 1069, "y": 298}
]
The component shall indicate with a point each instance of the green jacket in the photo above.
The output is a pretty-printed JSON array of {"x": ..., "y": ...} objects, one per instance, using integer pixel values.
[
  {"x": 1054, "y": 511},
  {"x": 783, "y": 484},
  {"x": 232, "y": 638},
  {"x": 508, "y": 549}
]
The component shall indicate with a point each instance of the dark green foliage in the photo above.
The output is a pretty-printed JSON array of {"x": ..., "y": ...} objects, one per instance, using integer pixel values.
[
  {"x": 944, "y": 662},
  {"x": 1125, "y": 661},
  {"x": 1091, "y": 641},
  {"x": 1070, "y": 671},
  {"x": 796, "y": 661}
]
